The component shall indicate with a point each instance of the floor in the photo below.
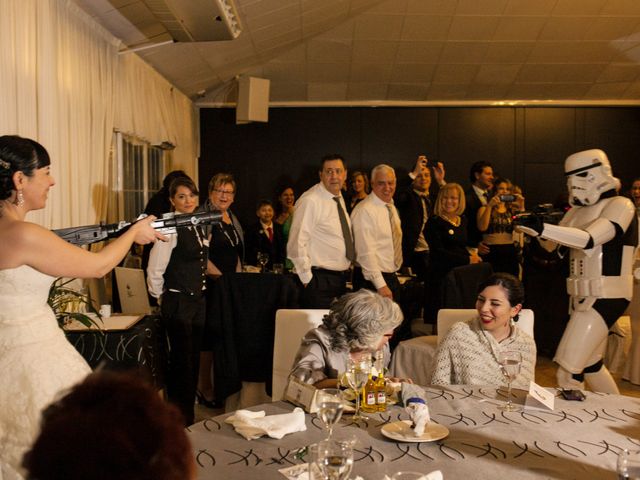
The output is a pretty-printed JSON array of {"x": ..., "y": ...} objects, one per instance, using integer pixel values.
[{"x": 545, "y": 376}]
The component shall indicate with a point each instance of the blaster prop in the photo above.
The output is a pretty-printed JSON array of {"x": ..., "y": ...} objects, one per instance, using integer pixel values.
[
  {"x": 543, "y": 213},
  {"x": 166, "y": 225}
]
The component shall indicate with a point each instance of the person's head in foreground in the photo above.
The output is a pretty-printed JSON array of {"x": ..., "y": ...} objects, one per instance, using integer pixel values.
[
  {"x": 362, "y": 321},
  {"x": 112, "y": 427},
  {"x": 499, "y": 300}
]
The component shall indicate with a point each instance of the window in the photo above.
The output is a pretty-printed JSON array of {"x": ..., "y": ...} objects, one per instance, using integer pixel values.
[{"x": 139, "y": 173}]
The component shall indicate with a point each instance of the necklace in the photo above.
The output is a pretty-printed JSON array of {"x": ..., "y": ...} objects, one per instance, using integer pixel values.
[{"x": 455, "y": 221}]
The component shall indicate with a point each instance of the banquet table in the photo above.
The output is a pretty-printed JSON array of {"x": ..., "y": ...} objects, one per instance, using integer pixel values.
[
  {"x": 141, "y": 348},
  {"x": 576, "y": 440}
]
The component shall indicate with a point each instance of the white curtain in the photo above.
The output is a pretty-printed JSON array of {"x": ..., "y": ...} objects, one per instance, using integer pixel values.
[
  {"x": 152, "y": 109},
  {"x": 63, "y": 83}
]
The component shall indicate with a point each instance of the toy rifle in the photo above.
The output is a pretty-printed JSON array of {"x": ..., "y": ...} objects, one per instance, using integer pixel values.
[
  {"x": 166, "y": 225},
  {"x": 543, "y": 213}
]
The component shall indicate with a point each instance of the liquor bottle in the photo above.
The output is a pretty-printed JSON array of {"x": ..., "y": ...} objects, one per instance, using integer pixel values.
[
  {"x": 369, "y": 394},
  {"x": 381, "y": 383}
]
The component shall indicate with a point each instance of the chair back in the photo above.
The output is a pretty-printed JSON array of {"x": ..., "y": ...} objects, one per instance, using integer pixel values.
[
  {"x": 460, "y": 287},
  {"x": 291, "y": 326},
  {"x": 448, "y": 316}
]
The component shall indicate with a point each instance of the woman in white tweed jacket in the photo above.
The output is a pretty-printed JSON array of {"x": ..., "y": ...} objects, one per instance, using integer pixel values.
[{"x": 468, "y": 354}]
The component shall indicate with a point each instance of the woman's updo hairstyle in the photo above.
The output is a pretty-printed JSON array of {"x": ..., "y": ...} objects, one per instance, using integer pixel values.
[
  {"x": 511, "y": 285},
  {"x": 18, "y": 154}
]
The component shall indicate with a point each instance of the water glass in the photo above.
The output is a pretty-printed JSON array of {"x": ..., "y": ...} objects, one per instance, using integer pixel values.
[
  {"x": 510, "y": 363},
  {"x": 357, "y": 375},
  {"x": 278, "y": 268},
  {"x": 629, "y": 465},
  {"x": 335, "y": 460},
  {"x": 330, "y": 407}
]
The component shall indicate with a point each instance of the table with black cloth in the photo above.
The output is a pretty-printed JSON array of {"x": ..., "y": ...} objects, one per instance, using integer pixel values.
[
  {"x": 242, "y": 323},
  {"x": 141, "y": 347},
  {"x": 576, "y": 440}
]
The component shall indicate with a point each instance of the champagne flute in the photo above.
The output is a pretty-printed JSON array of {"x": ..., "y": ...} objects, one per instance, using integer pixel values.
[
  {"x": 357, "y": 375},
  {"x": 334, "y": 459},
  {"x": 330, "y": 407},
  {"x": 510, "y": 362},
  {"x": 263, "y": 259}
]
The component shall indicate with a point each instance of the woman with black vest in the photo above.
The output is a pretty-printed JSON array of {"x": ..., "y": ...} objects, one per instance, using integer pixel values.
[{"x": 176, "y": 277}]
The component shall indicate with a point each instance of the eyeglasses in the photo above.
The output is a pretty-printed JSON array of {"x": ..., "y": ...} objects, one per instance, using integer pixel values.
[{"x": 221, "y": 192}]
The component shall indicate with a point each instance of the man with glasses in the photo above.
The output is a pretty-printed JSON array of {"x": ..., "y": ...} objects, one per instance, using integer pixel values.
[{"x": 320, "y": 241}]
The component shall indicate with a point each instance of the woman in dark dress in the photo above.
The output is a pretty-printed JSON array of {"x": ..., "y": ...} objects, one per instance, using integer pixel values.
[
  {"x": 446, "y": 235},
  {"x": 496, "y": 224},
  {"x": 358, "y": 189},
  {"x": 226, "y": 255}
]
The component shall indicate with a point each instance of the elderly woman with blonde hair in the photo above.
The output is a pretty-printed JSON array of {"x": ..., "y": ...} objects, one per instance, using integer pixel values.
[{"x": 359, "y": 322}]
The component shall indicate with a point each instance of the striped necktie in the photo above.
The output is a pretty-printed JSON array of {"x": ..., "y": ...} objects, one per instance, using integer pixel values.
[{"x": 346, "y": 232}]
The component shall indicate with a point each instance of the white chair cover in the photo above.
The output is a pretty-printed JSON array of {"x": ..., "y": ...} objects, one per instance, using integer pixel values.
[{"x": 291, "y": 325}]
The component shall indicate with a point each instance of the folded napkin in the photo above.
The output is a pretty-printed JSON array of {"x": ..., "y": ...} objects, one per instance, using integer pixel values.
[
  {"x": 253, "y": 425},
  {"x": 415, "y": 404},
  {"x": 435, "y": 475}
]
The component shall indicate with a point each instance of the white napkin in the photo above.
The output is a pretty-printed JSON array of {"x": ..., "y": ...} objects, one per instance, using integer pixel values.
[
  {"x": 419, "y": 414},
  {"x": 435, "y": 475},
  {"x": 253, "y": 425}
]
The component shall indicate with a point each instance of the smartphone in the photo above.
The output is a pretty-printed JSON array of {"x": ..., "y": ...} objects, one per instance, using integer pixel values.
[
  {"x": 507, "y": 198},
  {"x": 572, "y": 395}
]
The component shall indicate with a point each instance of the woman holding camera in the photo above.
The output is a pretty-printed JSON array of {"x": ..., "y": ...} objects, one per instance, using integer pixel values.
[{"x": 495, "y": 221}]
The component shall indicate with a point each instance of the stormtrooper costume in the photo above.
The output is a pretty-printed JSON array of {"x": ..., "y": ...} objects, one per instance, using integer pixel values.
[{"x": 601, "y": 230}]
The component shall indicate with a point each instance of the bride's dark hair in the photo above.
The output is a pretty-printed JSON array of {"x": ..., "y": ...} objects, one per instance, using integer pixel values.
[{"x": 18, "y": 154}]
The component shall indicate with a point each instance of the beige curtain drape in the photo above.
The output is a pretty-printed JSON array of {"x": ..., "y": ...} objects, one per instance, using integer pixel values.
[{"x": 63, "y": 83}]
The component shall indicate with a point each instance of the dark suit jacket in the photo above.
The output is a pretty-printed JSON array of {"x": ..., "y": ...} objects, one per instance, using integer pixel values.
[
  {"x": 409, "y": 207},
  {"x": 258, "y": 241},
  {"x": 473, "y": 204}
]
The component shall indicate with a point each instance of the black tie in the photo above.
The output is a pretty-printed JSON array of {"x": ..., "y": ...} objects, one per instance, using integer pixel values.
[{"x": 346, "y": 232}]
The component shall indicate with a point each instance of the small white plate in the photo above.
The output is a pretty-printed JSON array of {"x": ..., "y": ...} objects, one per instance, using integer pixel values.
[{"x": 401, "y": 431}]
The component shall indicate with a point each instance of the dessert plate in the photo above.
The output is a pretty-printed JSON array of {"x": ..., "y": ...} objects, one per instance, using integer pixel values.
[{"x": 401, "y": 431}]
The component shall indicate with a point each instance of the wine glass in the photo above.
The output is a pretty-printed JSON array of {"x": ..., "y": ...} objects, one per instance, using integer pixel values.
[
  {"x": 510, "y": 363},
  {"x": 335, "y": 460},
  {"x": 263, "y": 259},
  {"x": 357, "y": 375},
  {"x": 330, "y": 407},
  {"x": 628, "y": 464}
]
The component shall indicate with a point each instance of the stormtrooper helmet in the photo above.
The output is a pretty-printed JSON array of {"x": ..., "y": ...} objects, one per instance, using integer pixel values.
[{"x": 588, "y": 176}]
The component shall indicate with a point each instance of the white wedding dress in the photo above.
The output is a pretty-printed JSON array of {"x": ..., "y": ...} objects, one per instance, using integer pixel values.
[{"x": 37, "y": 363}]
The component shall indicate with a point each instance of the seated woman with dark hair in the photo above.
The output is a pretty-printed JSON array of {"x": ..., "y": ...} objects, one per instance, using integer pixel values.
[
  {"x": 469, "y": 352},
  {"x": 358, "y": 322},
  {"x": 111, "y": 427}
]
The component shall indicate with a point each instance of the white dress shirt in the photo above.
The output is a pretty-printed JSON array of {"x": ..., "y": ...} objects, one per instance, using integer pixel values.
[
  {"x": 158, "y": 260},
  {"x": 315, "y": 238},
  {"x": 373, "y": 239}
]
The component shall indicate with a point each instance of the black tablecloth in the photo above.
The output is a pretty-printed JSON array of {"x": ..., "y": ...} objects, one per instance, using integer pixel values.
[
  {"x": 242, "y": 323},
  {"x": 140, "y": 348}
]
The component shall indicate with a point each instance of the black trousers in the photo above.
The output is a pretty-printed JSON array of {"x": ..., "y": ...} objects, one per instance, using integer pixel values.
[
  {"x": 419, "y": 263},
  {"x": 325, "y": 286},
  {"x": 183, "y": 316}
]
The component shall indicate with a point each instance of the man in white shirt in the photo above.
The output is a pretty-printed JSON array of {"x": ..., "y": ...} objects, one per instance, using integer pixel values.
[
  {"x": 378, "y": 236},
  {"x": 320, "y": 240}
]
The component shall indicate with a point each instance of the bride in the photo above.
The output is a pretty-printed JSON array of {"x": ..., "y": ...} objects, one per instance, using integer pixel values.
[{"x": 36, "y": 361}]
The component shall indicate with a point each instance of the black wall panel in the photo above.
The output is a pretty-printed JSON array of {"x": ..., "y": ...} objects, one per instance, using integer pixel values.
[{"x": 526, "y": 144}]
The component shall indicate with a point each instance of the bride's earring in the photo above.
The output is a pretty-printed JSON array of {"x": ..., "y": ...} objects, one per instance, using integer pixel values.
[{"x": 19, "y": 201}]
